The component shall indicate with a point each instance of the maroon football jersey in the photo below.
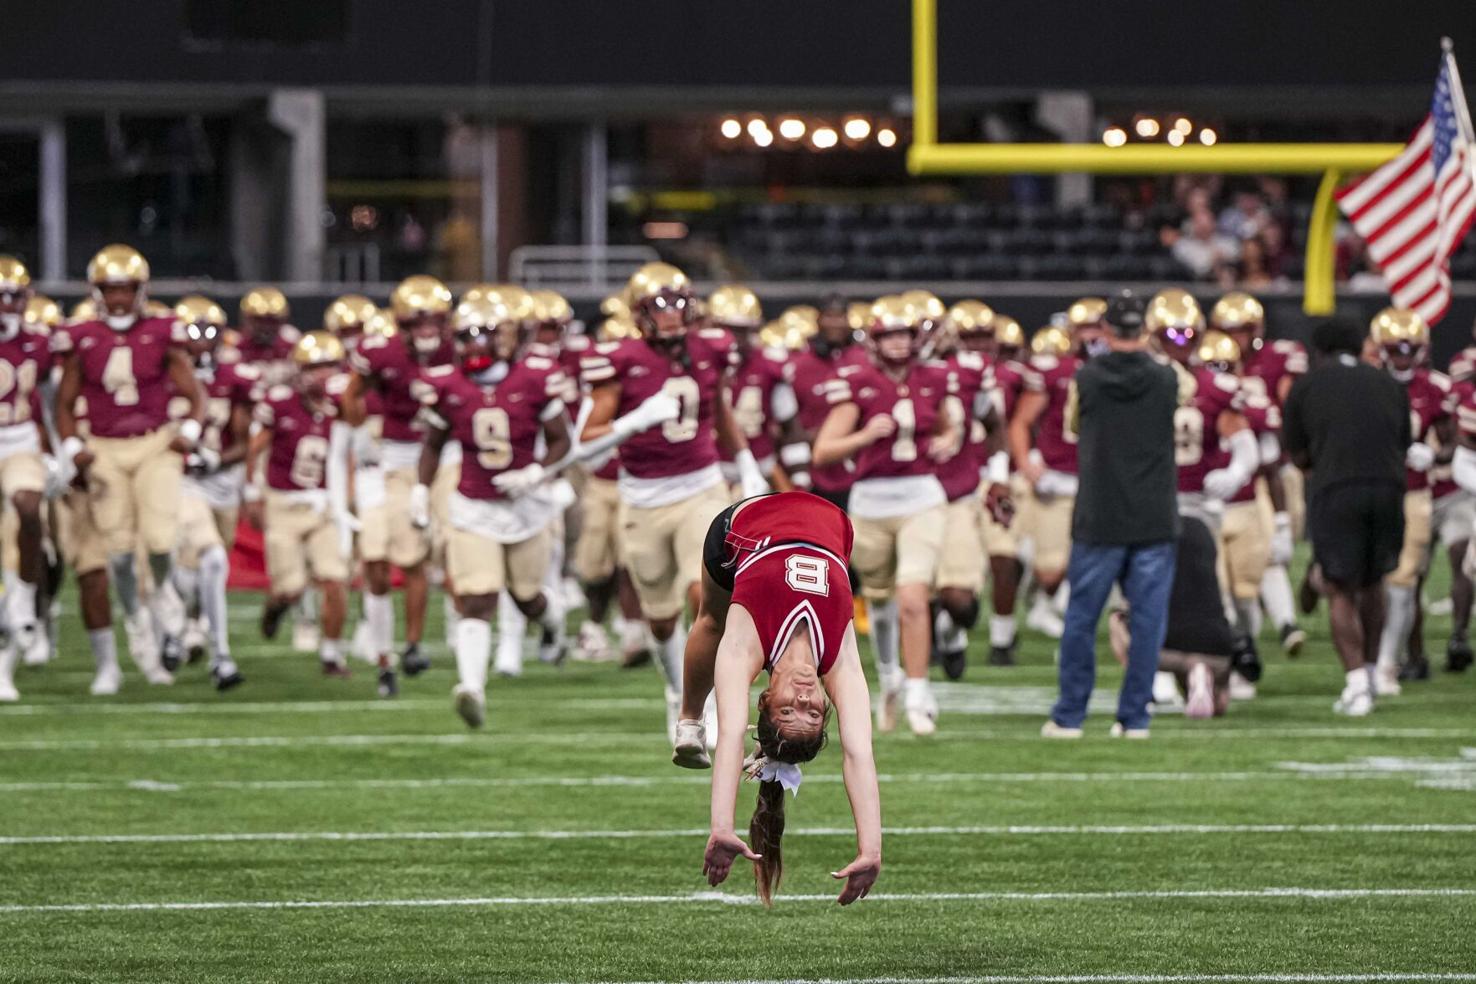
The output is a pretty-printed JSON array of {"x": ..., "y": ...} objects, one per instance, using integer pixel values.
[
  {"x": 813, "y": 378},
  {"x": 1009, "y": 382},
  {"x": 1264, "y": 368},
  {"x": 751, "y": 390},
  {"x": 915, "y": 402},
  {"x": 1264, "y": 417},
  {"x": 1442, "y": 483},
  {"x": 226, "y": 388},
  {"x": 25, "y": 358},
  {"x": 1463, "y": 365},
  {"x": 387, "y": 364},
  {"x": 1430, "y": 402},
  {"x": 968, "y": 377},
  {"x": 496, "y": 426},
  {"x": 1197, "y": 444},
  {"x": 259, "y": 353},
  {"x": 680, "y": 446},
  {"x": 297, "y": 458},
  {"x": 1055, "y": 377},
  {"x": 125, "y": 374}
]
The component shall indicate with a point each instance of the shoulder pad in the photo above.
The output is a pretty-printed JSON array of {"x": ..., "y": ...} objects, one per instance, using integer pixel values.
[
  {"x": 437, "y": 372},
  {"x": 538, "y": 362},
  {"x": 279, "y": 392},
  {"x": 849, "y": 370},
  {"x": 1441, "y": 380},
  {"x": 1044, "y": 363},
  {"x": 1227, "y": 382},
  {"x": 1286, "y": 346},
  {"x": 606, "y": 348},
  {"x": 712, "y": 334},
  {"x": 244, "y": 370},
  {"x": 337, "y": 385}
]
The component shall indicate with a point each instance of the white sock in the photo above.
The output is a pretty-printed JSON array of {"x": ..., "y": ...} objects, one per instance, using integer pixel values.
[
  {"x": 329, "y": 651},
  {"x": 215, "y": 570},
  {"x": 104, "y": 649},
  {"x": 1245, "y": 615},
  {"x": 379, "y": 613},
  {"x": 9, "y": 657},
  {"x": 1062, "y": 598},
  {"x": 307, "y": 606},
  {"x": 552, "y": 619},
  {"x": 167, "y": 609},
  {"x": 20, "y": 601},
  {"x": 124, "y": 576},
  {"x": 1001, "y": 630},
  {"x": 448, "y": 606},
  {"x": 512, "y": 626},
  {"x": 473, "y": 648},
  {"x": 885, "y": 636},
  {"x": 1401, "y": 601},
  {"x": 1276, "y": 595},
  {"x": 670, "y": 656},
  {"x": 1357, "y": 681},
  {"x": 186, "y": 581}
]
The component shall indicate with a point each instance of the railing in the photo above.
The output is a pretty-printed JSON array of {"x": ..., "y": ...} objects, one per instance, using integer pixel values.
[{"x": 591, "y": 267}]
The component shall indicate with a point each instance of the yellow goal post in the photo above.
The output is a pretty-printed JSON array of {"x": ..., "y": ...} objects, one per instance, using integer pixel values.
[{"x": 1332, "y": 160}]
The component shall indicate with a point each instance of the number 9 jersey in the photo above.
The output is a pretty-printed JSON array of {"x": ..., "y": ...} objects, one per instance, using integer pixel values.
[{"x": 681, "y": 446}]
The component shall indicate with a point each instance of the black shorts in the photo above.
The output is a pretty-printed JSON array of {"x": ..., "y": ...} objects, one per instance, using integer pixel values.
[
  {"x": 717, "y": 559},
  {"x": 1357, "y": 531}
]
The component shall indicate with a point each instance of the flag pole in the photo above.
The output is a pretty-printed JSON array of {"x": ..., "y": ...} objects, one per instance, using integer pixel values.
[{"x": 1457, "y": 92}]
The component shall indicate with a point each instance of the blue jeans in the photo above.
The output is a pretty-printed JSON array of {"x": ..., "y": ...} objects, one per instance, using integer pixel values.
[{"x": 1146, "y": 573}]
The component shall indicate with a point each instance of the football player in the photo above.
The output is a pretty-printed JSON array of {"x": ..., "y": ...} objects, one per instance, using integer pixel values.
[
  {"x": 1403, "y": 340},
  {"x": 501, "y": 518},
  {"x": 303, "y": 445},
  {"x": 670, "y": 483},
  {"x": 887, "y": 415},
  {"x": 125, "y": 365},
  {"x": 210, "y": 496},
  {"x": 1453, "y": 515},
  {"x": 761, "y": 391},
  {"x": 835, "y": 344},
  {"x": 265, "y": 339},
  {"x": 349, "y": 317},
  {"x": 979, "y": 460},
  {"x": 390, "y": 366},
  {"x": 1043, "y": 449},
  {"x": 1268, "y": 368},
  {"x": 23, "y": 361}
]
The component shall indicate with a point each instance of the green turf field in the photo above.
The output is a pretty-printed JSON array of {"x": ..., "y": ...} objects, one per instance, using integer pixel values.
[{"x": 297, "y": 829}]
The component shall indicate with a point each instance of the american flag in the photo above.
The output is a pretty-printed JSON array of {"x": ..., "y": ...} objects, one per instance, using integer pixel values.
[{"x": 1414, "y": 211}]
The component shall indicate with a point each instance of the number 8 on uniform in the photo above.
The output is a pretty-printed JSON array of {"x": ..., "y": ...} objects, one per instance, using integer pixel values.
[{"x": 808, "y": 574}]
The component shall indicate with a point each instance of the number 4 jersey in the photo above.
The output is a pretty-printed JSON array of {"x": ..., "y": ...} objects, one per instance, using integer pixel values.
[
  {"x": 677, "y": 459},
  {"x": 125, "y": 374}
]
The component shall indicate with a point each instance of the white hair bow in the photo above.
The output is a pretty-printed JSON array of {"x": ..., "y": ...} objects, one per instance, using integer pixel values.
[{"x": 761, "y": 767}]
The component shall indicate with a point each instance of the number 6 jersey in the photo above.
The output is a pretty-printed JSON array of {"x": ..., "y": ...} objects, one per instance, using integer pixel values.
[
  {"x": 297, "y": 458},
  {"x": 125, "y": 374}
]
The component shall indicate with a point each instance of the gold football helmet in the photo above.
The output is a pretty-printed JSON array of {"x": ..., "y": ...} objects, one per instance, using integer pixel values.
[
  {"x": 1086, "y": 312},
  {"x": 614, "y": 306},
  {"x": 1007, "y": 333},
  {"x": 42, "y": 310},
  {"x": 660, "y": 287},
  {"x": 14, "y": 277},
  {"x": 1238, "y": 311},
  {"x": 970, "y": 317},
  {"x": 349, "y": 314},
  {"x": 1399, "y": 326},
  {"x": 483, "y": 312},
  {"x": 196, "y": 309},
  {"x": 1052, "y": 340},
  {"x": 930, "y": 310},
  {"x": 1174, "y": 309},
  {"x": 265, "y": 302},
  {"x": 420, "y": 296},
  {"x": 735, "y": 306},
  {"x": 83, "y": 310},
  {"x": 317, "y": 348},
  {"x": 117, "y": 264},
  {"x": 381, "y": 323},
  {"x": 549, "y": 307},
  {"x": 1217, "y": 350}
]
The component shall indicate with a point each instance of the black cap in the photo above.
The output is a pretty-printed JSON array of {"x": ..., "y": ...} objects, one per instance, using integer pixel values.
[{"x": 1125, "y": 314}]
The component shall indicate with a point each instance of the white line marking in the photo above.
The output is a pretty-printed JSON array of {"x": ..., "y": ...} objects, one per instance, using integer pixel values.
[
  {"x": 1011, "y": 830},
  {"x": 454, "y": 782},
  {"x": 653, "y": 736},
  {"x": 1112, "y": 979},
  {"x": 227, "y": 706},
  {"x": 1320, "y": 894}
]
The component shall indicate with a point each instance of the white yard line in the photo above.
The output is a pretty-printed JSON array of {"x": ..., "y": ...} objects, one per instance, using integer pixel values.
[
  {"x": 1001, "y": 830},
  {"x": 1110, "y": 979},
  {"x": 1318, "y": 894},
  {"x": 687, "y": 779},
  {"x": 227, "y": 706}
]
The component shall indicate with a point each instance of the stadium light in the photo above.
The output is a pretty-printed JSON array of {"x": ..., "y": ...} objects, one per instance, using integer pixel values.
[
  {"x": 757, "y": 126},
  {"x": 1183, "y": 126},
  {"x": 1114, "y": 136},
  {"x": 1175, "y": 138},
  {"x": 791, "y": 128},
  {"x": 763, "y": 137},
  {"x": 732, "y": 129},
  {"x": 1146, "y": 127},
  {"x": 887, "y": 137},
  {"x": 857, "y": 128},
  {"x": 824, "y": 138},
  {"x": 1208, "y": 137}
]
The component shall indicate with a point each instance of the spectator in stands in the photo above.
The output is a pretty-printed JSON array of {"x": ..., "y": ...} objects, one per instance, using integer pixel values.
[
  {"x": 1245, "y": 218},
  {"x": 1254, "y": 274},
  {"x": 1203, "y": 251}
]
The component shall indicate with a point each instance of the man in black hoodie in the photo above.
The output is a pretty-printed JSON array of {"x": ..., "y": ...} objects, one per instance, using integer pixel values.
[{"x": 1126, "y": 520}]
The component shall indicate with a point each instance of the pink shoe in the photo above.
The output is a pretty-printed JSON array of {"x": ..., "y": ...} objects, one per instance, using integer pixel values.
[{"x": 1200, "y": 705}]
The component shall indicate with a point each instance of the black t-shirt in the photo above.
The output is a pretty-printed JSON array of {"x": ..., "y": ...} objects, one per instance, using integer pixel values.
[
  {"x": 1197, "y": 622},
  {"x": 1125, "y": 451},
  {"x": 1352, "y": 422}
]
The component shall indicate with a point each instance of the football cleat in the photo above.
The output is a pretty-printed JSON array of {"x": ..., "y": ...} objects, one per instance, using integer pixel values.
[
  {"x": 1241, "y": 688},
  {"x": 1053, "y": 730},
  {"x": 413, "y": 661},
  {"x": 887, "y": 702},
  {"x": 1044, "y": 619},
  {"x": 1001, "y": 656},
  {"x": 922, "y": 712},
  {"x": 470, "y": 705},
  {"x": 690, "y": 748},
  {"x": 41, "y": 651},
  {"x": 31, "y": 644},
  {"x": 8, "y": 693},
  {"x": 1458, "y": 656},
  {"x": 1416, "y": 667},
  {"x": 551, "y": 648},
  {"x": 1293, "y": 638},
  {"x": 305, "y": 636},
  {"x": 1354, "y": 704},
  {"x": 195, "y": 641},
  {"x": 1386, "y": 682},
  {"x": 158, "y": 676},
  {"x": 226, "y": 675},
  {"x": 1200, "y": 704},
  {"x": 334, "y": 668},
  {"x": 954, "y": 663},
  {"x": 1166, "y": 690},
  {"x": 172, "y": 653},
  {"x": 271, "y": 618},
  {"x": 388, "y": 686},
  {"x": 593, "y": 645},
  {"x": 107, "y": 682}
]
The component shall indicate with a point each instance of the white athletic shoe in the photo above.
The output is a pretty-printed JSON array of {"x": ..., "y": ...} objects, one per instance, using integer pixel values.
[
  {"x": 1118, "y": 731},
  {"x": 1201, "y": 703},
  {"x": 593, "y": 644},
  {"x": 196, "y": 639},
  {"x": 34, "y": 647},
  {"x": 509, "y": 660},
  {"x": 159, "y": 677},
  {"x": 142, "y": 645},
  {"x": 107, "y": 682},
  {"x": 1350, "y": 704},
  {"x": 1241, "y": 688},
  {"x": 1053, "y": 730},
  {"x": 1044, "y": 618},
  {"x": 470, "y": 705},
  {"x": 709, "y": 721},
  {"x": 1386, "y": 681},
  {"x": 1166, "y": 690},
  {"x": 887, "y": 702},
  {"x": 306, "y": 637},
  {"x": 8, "y": 693},
  {"x": 362, "y": 644},
  {"x": 551, "y": 646},
  {"x": 922, "y": 712},
  {"x": 690, "y": 748},
  {"x": 673, "y": 714}
]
